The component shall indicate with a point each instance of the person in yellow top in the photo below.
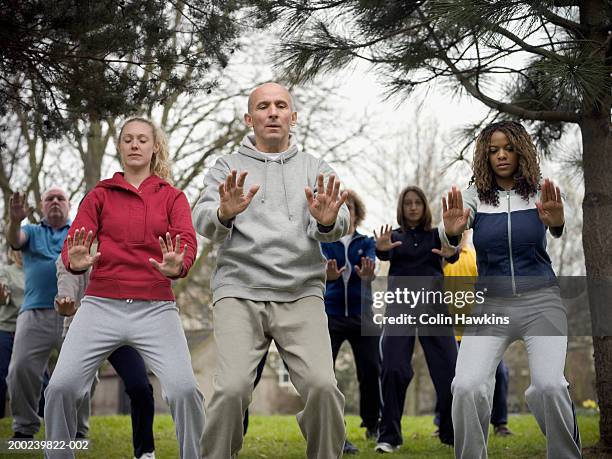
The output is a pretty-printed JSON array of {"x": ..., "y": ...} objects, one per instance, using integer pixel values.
[{"x": 466, "y": 267}]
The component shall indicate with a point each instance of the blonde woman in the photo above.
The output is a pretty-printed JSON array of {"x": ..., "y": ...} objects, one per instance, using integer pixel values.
[{"x": 145, "y": 239}]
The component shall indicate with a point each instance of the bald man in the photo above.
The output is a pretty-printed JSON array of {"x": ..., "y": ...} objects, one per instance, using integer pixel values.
[
  {"x": 269, "y": 206},
  {"x": 39, "y": 327}
]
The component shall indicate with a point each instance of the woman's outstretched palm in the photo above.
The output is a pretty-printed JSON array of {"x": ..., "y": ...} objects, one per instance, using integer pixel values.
[
  {"x": 79, "y": 255},
  {"x": 455, "y": 217},
  {"x": 383, "y": 240},
  {"x": 172, "y": 256}
]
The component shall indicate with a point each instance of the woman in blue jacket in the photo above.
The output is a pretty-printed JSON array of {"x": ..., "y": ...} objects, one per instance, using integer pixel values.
[
  {"x": 510, "y": 212},
  {"x": 414, "y": 250}
]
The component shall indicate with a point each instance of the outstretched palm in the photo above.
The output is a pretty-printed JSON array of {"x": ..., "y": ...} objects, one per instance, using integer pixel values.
[
  {"x": 332, "y": 272},
  {"x": 550, "y": 207},
  {"x": 172, "y": 256},
  {"x": 383, "y": 239},
  {"x": 65, "y": 306},
  {"x": 324, "y": 206},
  {"x": 232, "y": 199},
  {"x": 18, "y": 207},
  {"x": 446, "y": 251},
  {"x": 79, "y": 255},
  {"x": 455, "y": 217},
  {"x": 366, "y": 270}
]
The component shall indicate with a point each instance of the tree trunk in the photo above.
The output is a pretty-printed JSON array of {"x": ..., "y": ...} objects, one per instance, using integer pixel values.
[
  {"x": 597, "y": 208},
  {"x": 596, "y": 230},
  {"x": 92, "y": 161}
]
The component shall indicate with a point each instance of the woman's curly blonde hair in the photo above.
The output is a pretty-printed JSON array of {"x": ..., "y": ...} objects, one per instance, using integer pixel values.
[{"x": 160, "y": 161}]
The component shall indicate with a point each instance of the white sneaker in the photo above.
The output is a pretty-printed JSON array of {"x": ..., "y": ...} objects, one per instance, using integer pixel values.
[
  {"x": 386, "y": 448},
  {"x": 150, "y": 455}
]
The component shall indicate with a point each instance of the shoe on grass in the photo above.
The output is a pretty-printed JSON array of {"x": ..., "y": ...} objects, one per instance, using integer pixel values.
[
  {"x": 383, "y": 447},
  {"x": 150, "y": 455},
  {"x": 349, "y": 448},
  {"x": 502, "y": 430}
]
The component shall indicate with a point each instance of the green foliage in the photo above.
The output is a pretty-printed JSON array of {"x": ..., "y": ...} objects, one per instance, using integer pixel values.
[
  {"x": 69, "y": 60},
  {"x": 551, "y": 60}
]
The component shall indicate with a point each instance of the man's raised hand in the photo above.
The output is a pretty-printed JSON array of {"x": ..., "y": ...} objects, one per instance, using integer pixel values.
[
  {"x": 232, "y": 199},
  {"x": 18, "y": 208},
  {"x": 324, "y": 206},
  {"x": 78, "y": 250}
]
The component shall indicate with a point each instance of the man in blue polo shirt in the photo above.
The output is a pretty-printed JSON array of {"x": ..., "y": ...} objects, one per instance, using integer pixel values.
[{"x": 39, "y": 327}]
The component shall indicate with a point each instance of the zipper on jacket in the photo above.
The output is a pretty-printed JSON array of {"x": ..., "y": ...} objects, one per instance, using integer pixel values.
[
  {"x": 510, "y": 245},
  {"x": 346, "y": 260}
]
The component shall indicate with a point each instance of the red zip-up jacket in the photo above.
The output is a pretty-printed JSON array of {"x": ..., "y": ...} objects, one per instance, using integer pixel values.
[{"x": 127, "y": 223}]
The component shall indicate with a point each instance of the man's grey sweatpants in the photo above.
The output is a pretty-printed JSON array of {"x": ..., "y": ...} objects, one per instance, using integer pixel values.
[
  {"x": 243, "y": 331},
  {"x": 547, "y": 396},
  {"x": 102, "y": 325},
  {"x": 38, "y": 333}
]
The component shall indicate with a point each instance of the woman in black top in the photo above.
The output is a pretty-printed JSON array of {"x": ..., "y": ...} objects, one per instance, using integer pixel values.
[{"x": 414, "y": 249}]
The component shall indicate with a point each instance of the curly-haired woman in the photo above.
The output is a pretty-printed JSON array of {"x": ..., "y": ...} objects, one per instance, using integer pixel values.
[{"x": 510, "y": 210}]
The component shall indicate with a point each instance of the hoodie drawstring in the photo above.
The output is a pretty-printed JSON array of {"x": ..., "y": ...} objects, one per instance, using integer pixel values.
[
  {"x": 263, "y": 198},
  {"x": 285, "y": 189},
  {"x": 265, "y": 185}
]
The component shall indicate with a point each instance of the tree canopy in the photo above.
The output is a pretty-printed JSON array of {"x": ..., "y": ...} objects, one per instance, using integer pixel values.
[
  {"x": 67, "y": 60},
  {"x": 543, "y": 61}
]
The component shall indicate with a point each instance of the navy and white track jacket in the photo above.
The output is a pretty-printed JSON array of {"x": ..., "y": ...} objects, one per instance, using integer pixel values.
[{"x": 510, "y": 241}]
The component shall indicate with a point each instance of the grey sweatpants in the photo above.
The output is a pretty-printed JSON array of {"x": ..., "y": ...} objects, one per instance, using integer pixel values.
[
  {"x": 547, "y": 396},
  {"x": 38, "y": 333},
  {"x": 102, "y": 325},
  {"x": 243, "y": 330}
]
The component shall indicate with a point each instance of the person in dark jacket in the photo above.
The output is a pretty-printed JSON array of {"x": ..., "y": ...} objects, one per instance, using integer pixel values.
[
  {"x": 413, "y": 249},
  {"x": 511, "y": 210},
  {"x": 350, "y": 271}
]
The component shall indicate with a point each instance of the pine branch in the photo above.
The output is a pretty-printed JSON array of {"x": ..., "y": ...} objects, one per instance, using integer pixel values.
[{"x": 513, "y": 109}]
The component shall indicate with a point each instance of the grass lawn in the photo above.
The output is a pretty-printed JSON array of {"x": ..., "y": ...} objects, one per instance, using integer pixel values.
[{"x": 279, "y": 437}]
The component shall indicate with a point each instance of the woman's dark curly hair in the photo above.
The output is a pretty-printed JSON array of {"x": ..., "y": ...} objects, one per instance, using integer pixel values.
[
  {"x": 526, "y": 182},
  {"x": 360, "y": 209}
]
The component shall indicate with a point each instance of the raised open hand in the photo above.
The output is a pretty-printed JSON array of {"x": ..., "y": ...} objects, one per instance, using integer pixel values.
[
  {"x": 172, "y": 256},
  {"x": 383, "y": 240},
  {"x": 65, "y": 306},
  {"x": 5, "y": 294},
  {"x": 324, "y": 206},
  {"x": 550, "y": 207},
  {"x": 332, "y": 272},
  {"x": 366, "y": 271},
  {"x": 232, "y": 199},
  {"x": 454, "y": 215},
  {"x": 78, "y": 250},
  {"x": 446, "y": 251},
  {"x": 18, "y": 207}
]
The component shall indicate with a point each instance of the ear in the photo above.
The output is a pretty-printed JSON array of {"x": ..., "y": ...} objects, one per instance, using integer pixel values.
[
  {"x": 248, "y": 119},
  {"x": 293, "y": 118}
]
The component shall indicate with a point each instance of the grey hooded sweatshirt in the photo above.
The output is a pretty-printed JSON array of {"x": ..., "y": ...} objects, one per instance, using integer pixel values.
[{"x": 271, "y": 251}]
